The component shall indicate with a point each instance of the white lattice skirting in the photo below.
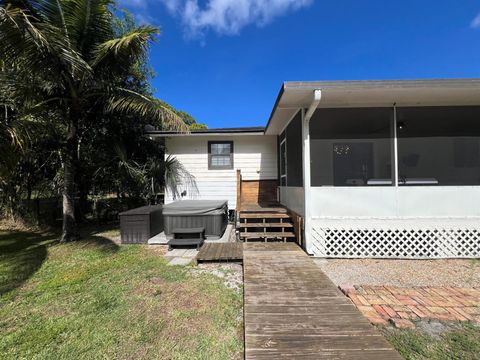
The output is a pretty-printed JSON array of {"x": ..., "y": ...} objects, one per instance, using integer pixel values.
[{"x": 398, "y": 238}]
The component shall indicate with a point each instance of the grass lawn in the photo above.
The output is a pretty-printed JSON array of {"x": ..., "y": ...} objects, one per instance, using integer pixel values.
[
  {"x": 453, "y": 341},
  {"x": 97, "y": 300}
]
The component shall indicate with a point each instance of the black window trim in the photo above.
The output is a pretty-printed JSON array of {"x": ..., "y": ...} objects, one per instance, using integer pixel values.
[{"x": 220, "y": 167}]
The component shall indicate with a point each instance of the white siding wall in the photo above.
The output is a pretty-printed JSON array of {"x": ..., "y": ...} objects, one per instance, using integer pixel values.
[
  {"x": 389, "y": 222},
  {"x": 254, "y": 155},
  {"x": 392, "y": 202}
]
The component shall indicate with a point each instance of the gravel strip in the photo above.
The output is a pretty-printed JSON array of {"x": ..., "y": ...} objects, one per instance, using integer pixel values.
[{"x": 402, "y": 273}]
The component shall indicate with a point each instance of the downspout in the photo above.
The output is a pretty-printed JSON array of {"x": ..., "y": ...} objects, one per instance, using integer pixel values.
[{"x": 306, "y": 116}]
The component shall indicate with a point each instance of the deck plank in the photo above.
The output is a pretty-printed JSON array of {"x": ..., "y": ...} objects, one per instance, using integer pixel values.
[
  {"x": 266, "y": 225},
  {"x": 269, "y": 235},
  {"x": 292, "y": 310},
  {"x": 260, "y": 215},
  {"x": 220, "y": 252}
]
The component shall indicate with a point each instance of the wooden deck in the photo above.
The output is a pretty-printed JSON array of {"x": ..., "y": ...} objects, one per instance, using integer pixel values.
[
  {"x": 292, "y": 310},
  {"x": 220, "y": 252}
]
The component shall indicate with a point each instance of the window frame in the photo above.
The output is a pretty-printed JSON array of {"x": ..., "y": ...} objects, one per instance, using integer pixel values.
[
  {"x": 220, "y": 167},
  {"x": 283, "y": 162}
]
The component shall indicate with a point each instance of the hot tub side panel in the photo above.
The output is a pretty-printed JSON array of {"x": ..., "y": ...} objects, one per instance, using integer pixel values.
[{"x": 214, "y": 225}]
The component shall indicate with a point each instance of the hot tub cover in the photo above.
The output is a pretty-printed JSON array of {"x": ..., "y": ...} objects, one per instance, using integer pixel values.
[{"x": 195, "y": 207}]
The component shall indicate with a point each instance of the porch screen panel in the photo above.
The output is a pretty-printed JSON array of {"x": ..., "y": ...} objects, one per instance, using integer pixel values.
[
  {"x": 294, "y": 152},
  {"x": 351, "y": 147},
  {"x": 438, "y": 146}
]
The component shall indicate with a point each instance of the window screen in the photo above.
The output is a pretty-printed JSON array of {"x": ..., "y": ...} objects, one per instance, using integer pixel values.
[
  {"x": 351, "y": 147},
  {"x": 438, "y": 145},
  {"x": 294, "y": 152},
  {"x": 220, "y": 155}
]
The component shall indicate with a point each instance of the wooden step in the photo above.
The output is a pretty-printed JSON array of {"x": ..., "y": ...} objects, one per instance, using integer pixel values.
[
  {"x": 268, "y": 235},
  {"x": 264, "y": 216},
  {"x": 266, "y": 210},
  {"x": 265, "y": 225},
  {"x": 219, "y": 252}
]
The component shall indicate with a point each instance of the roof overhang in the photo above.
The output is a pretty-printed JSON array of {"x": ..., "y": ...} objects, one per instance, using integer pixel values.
[
  {"x": 250, "y": 131},
  {"x": 294, "y": 96}
]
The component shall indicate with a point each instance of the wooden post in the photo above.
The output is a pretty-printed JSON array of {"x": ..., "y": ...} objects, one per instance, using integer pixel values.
[
  {"x": 239, "y": 190},
  {"x": 297, "y": 227}
]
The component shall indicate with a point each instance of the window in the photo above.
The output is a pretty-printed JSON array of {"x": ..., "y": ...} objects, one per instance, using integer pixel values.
[
  {"x": 438, "y": 145},
  {"x": 352, "y": 147},
  {"x": 220, "y": 155}
]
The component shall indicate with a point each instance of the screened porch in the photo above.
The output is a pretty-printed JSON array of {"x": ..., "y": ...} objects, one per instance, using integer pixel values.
[{"x": 399, "y": 182}]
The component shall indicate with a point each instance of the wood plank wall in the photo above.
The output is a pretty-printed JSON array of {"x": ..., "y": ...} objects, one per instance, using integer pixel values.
[{"x": 258, "y": 191}]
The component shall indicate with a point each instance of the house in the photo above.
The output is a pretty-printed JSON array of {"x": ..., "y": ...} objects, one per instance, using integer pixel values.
[{"x": 382, "y": 169}]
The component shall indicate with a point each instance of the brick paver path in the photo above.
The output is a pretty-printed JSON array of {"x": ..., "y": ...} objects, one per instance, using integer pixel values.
[{"x": 403, "y": 306}]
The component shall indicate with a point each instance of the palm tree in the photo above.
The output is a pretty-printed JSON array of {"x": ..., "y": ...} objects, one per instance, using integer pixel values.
[{"x": 68, "y": 61}]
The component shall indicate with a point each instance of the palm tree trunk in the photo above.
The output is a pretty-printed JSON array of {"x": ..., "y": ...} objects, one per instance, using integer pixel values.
[{"x": 69, "y": 226}]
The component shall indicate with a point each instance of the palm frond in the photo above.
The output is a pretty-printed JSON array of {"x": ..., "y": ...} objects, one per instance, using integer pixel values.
[
  {"x": 142, "y": 106},
  {"x": 54, "y": 9},
  {"x": 89, "y": 23},
  {"x": 21, "y": 130},
  {"x": 126, "y": 166},
  {"x": 125, "y": 50},
  {"x": 19, "y": 88},
  {"x": 36, "y": 46}
]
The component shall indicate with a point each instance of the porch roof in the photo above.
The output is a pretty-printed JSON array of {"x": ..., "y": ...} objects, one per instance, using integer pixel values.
[{"x": 370, "y": 93}]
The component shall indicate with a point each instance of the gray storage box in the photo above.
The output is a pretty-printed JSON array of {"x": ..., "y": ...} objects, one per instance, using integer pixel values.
[
  {"x": 140, "y": 224},
  {"x": 209, "y": 214}
]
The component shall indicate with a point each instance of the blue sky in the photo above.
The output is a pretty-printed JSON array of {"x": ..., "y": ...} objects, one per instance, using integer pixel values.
[{"x": 224, "y": 61}]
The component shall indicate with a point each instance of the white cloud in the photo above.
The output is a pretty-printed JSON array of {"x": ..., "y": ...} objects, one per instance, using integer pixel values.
[
  {"x": 228, "y": 17},
  {"x": 475, "y": 24},
  {"x": 172, "y": 5},
  {"x": 225, "y": 17}
]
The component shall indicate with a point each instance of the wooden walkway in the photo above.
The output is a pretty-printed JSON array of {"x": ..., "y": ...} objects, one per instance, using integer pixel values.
[
  {"x": 220, "y": 252},
  {"x": 292, "y": 310}
]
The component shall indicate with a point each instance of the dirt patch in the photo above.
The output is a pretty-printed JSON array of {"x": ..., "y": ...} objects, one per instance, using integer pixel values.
[
  {"x": 230, "y": 273},
  {"x": 160, "y": 250},
  {"x": 435, "y": 328},
  {"x": 7, "y": 224}
]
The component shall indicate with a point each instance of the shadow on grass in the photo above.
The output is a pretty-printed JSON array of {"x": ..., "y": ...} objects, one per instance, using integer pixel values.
[
  {"x": 100, "y": 243},
  {"x": 88, "y": 229},
  {"x": 21, "y": 255},
  {"x": 97, "y": 236}
]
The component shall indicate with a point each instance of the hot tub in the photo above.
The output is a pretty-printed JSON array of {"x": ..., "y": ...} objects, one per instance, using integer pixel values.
[{"x": 209, "y": 214}]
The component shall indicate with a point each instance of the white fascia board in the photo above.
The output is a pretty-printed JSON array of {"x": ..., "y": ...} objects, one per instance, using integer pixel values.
[{"x": 205, "y": 134}]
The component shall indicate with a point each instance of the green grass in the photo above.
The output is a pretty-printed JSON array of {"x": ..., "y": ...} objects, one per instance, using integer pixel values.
[
  {"x": 459, "y": 341},
  {"x": 96, "y": 300}
]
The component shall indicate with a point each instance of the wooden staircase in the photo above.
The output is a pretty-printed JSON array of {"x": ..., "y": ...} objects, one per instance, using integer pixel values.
[
  {"x": 264, "y": 225},
  {"x": 261, "y": 217}
]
